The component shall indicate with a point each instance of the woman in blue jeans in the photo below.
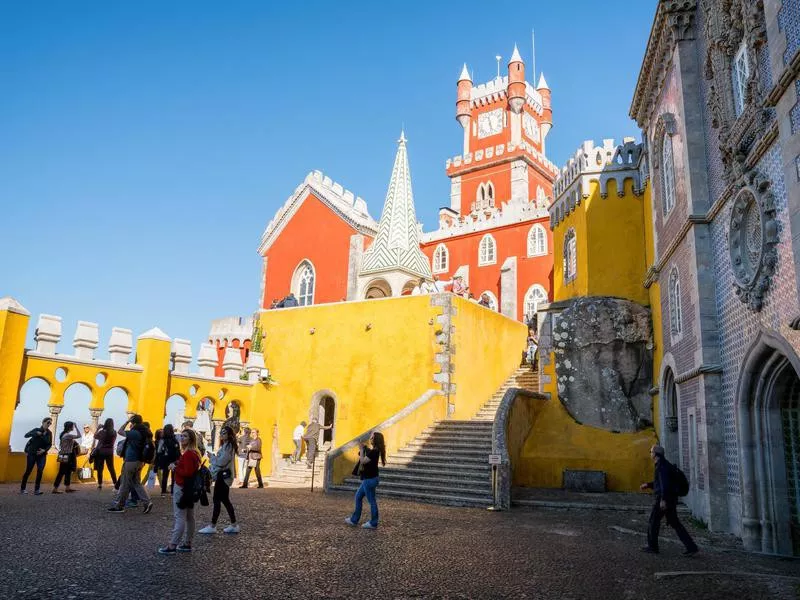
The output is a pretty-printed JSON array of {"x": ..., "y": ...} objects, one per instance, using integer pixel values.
[{"x": 368, "y": 471}]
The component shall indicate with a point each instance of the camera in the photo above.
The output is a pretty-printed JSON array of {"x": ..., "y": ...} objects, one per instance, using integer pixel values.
[{"x": 263, "y": 376}]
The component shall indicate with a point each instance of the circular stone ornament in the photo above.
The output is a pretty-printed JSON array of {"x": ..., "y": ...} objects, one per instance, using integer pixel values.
[{"x": 752, "y": 238}]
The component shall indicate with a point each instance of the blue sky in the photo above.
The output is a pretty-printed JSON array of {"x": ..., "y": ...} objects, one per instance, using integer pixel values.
[{"x": 145, "y": 145}]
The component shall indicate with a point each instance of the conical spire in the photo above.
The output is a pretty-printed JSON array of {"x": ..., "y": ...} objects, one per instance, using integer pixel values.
[
  {"x": 396, "y": 246},
  {"x": 515, "y": 57},
  {"x": 464, "y": 74},
  {"x": 542, "y": 85}
]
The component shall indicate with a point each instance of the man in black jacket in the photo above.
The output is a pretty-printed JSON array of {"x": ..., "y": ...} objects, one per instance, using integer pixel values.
[
  {"x": 36, "y": 449},
  {"x": 665, "y": 489}
]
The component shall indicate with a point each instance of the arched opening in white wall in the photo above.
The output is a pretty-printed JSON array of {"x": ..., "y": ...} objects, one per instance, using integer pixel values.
[
  {"x": 487, "y": 251},
  {"x": 537, "y": 241},
  {"x": 31, "y": 409},
  {"x": 409, "y": 286},
  {"x": 535, "y": 296},
  {"x": 115, "y": 406},
  {"x": 76, "y": 408},
  {"x": 175, "y": 411},
  {"x": 303, "y": 283},
  {"x": 378, "y": 288},
  {"x": 492, "y": 299},
  {"x": 441, "y": 259}
]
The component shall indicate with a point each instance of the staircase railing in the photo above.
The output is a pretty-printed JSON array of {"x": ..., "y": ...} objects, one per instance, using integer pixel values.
[
  {"x": 512, "y": 425},
  {"x": 398, "y": 430}
]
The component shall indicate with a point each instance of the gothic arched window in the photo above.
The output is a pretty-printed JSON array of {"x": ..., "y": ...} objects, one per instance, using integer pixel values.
[
  {"x": 535, "y": 296},
  {"x": 487, "y": 251},
  {"x": 570, "y": 256},
  {"x": 675, "y": 314},
  {"x": 440, "y": 259},
  {"x": 668, "y": 174},
  {"x": 537, "y": 241},
  {"x": 304, "y": 283}
]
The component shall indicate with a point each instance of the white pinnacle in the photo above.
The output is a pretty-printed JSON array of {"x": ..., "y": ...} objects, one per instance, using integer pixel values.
[
  {"x": 464, "y": 74},
  {"x": 542, "y": 85},
  {"x": 515, "y": 57}
]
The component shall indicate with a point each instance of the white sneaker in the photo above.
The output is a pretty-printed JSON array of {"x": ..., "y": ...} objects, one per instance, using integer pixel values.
[
  {"x": 350, "y": 522},
  {"x": 369, "y": 525},
  {"x": 231, "y": 529},
  {"x": 208, "y": 529}
]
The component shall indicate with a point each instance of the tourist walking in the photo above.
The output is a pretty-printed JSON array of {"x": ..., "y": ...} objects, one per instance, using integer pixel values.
[
  {"x": 102, "y": 454},
  {"x": 311, "y": 436},
  {"x": 130, "y": 478},
  {"x": 41, "y": 439},
  {"x": 222, "y": 464},
  {"x": 665, "y": 488},
  {"x": 241, "y": 460},
  {"x": 67, "y": 456},
  {"x": 367, "y": 470},
  {"x": 297, "y": 438},
  {"x": 168, "y": 451},
  {"x": 253, "y": 459},
  {"x": 184, "y": 472}
]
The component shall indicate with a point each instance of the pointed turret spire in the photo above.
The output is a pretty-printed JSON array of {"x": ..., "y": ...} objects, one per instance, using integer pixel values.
[
  {"x": 542, "y": 85},
  {"x": 464, "y": 74},
  {"x": 515, "y": 57},
  {"x": 396, "y": 246}
]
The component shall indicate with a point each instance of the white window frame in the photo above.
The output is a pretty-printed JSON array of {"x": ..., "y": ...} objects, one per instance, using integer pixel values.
[
  {"x": 675, "y": 310},
  {"x": 532, "y": 302},
  {"x": 740, "y": 72},
  {"x": 297, "y": 282},
  {"x": 667, "y": 174},
  {"x": 441, "y": 255},
  {"x": 570, "y": 256},
  {"x": 487, "y": 251},
  {"x": 537, "y": 240}
]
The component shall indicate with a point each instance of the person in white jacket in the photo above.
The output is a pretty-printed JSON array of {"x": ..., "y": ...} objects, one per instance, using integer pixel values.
[{"x": 222, "y": 467}]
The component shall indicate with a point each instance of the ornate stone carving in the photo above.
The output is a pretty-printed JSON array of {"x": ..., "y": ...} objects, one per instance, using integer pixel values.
[{"x": 752, "y": 238}]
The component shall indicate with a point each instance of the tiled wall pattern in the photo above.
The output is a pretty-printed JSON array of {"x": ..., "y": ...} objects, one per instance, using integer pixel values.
[
  {"x": 795, "y": 114},
  {"x": 738, "y": 325},
  {"x": 789, "y": 23}
]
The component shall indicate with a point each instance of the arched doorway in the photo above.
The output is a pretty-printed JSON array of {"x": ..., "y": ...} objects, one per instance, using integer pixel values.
[
  {"x": 378, "y": 288},
  {"x": 669, "y": 417},
  {"x": 768, "y": 406},
  {"x": 323, "y": 406}
]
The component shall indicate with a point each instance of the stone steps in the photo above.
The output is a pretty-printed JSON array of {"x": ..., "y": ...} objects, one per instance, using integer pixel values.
[
  {"x": 451, "y": 499},
  {"x": 298, "y": 475}
]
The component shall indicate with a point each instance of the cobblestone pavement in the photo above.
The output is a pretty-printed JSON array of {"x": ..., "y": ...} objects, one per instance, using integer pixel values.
[{"x": 294, "y": 544}]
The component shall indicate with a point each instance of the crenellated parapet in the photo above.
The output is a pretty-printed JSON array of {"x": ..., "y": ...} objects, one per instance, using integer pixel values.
[
  {"x": 509, "y": 213},
  {"x": 351, "y": 208},
  {"x": 497, "y": 89},
  {"x": 227, "y": 329},
  {"x": 481, "y": 157},
  {"x": 600, "y": 163}
]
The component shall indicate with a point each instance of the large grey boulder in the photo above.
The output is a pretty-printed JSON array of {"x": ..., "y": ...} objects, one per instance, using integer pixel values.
[{"x": 604, "y": 362}]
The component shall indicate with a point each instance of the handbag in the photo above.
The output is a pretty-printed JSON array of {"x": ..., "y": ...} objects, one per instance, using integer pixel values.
[
  {"x": 63, "y": 458},
  {"x": 85, "y": 473},
  {"x": 252, "y": 462}
]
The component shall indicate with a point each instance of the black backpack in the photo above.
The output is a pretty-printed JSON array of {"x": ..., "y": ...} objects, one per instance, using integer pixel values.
[
  {"x": 148, "y": 453},
  {"x": 680, "y": 482}
]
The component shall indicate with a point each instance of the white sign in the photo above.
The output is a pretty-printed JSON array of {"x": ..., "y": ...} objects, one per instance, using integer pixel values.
[{"x": 495, "y": 459}]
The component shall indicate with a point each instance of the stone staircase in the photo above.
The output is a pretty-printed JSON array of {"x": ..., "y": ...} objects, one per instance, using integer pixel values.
[
  {"x": 448, "y": 462},
  {"x": 298, "y": 475}
]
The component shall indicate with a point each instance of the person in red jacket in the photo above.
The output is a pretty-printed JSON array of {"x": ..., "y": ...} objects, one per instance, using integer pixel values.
[{"x": 183, "y": 473}]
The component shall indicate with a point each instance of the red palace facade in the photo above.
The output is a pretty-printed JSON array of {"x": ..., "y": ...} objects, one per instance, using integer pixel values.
[{"x": 494, "y": 232}]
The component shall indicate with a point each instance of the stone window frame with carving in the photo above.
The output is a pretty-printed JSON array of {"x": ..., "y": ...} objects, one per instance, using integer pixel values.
[
  {"x": 674, "y": 302},
  {"x": 665, "y": 130},
  {"x": 535, "y": 295},
  {"x": 537, "y": 240},
  {"x": 304, "y": 282},
  {"x": 441, "y": 259},
  {"x": 667, "y": 174},
  {"x": 740, "y": 74},
  {"x": 487, "y": 251},
  {"x": 752, "y": 240},
  {"x": 570, "y": 256}
]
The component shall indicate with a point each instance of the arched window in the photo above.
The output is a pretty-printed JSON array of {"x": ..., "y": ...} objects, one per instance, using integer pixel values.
[
  {"x": 303, "y": 284},
  {"x": 540, "y": 195},
  {"x": 668, "y": 174},
  {"x": 487, "y": 253},
  {"x": 440, "y": 259},
  {"x": 492, "y": 299},
  {"x": 535, "y": 296},
  {"x": 570, "y": 256},
  {"x": 537, "y": 241},
  {"x": 484, "y": 197},
  {"x": 490, "y": 195},
  {"x": 741, "y": 74},
  {"x": 675, "y": 315}
]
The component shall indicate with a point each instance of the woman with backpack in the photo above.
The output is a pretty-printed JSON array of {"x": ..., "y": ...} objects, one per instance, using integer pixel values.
[
  {"x": 367, "y": 469},
  {"x": 68, "y": 448},
  {"x": 184, "y": 472},
  {"x": 168, "y": 451},
  {"x": 222, "y": 467},
  {"x": 103, "y": 452}
]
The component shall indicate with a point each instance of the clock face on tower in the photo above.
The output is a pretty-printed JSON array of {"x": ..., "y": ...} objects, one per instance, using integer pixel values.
[
  {"x": 531, "y": 127},
  {"x": 490, "y": 123}
]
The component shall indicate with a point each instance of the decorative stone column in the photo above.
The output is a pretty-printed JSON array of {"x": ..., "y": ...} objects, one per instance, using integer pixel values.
[
  {"x": 55, "y": 410},
  {"x": 95, "y": 413},
  {"x": 218, "y": 423}
]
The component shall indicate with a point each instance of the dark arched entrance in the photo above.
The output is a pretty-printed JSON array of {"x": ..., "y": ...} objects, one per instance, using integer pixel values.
[
  {"x": 670, "y": 420},
  {"x": 769, "y": 434},
  {"x": 323, "y": 407}
]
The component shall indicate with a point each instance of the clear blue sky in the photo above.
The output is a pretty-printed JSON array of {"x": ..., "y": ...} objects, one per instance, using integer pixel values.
[{"x": 145, "y": 145}]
